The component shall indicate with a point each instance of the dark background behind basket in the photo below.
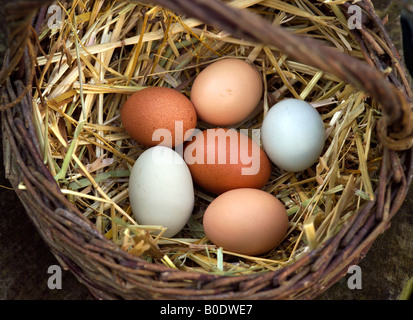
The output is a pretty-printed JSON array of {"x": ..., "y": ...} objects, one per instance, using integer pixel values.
[{"x": 24, "y": 258}]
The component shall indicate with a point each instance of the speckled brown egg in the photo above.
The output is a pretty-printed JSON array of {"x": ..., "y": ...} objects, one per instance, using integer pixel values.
[
  {"x": 222, "y": 159},
  {"x": 246, "y": 221},
  {"x": 159, "y": 116}
]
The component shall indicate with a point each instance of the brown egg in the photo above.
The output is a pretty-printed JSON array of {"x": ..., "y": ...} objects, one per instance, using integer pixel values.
[
  {"x": 246, "y": 221},
  {"x": 159, "y": 116},
  {"x": 226, "y": 92},
  {"x": 223, "y": 159}
]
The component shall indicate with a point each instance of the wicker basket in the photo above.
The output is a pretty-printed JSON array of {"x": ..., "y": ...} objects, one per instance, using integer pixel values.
[{"x": 112, "y": 273}]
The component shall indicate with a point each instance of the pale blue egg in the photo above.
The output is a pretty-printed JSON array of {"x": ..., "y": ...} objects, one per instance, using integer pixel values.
[{"x": 293, "y": 135}]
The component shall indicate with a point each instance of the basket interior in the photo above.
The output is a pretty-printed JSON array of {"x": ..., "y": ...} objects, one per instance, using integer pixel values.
[{"x": 121, "y": 47}]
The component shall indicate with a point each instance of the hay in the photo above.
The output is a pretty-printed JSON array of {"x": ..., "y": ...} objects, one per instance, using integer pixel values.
[{"x": 105, "y": 50}]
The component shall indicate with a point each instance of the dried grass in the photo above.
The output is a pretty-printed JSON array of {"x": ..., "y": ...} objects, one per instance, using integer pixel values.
[{"x": 106, "y": 50}]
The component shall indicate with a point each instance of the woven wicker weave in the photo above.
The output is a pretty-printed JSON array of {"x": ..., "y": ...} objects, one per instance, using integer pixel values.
[{"x": 111, "y": 273}]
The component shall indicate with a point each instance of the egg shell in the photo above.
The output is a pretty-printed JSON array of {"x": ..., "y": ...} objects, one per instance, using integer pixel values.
[
  {"x": 161, "y": 190},
  {"x": 222, "y": 159},
  {"x": 246, "y": 221},
  {"x": 293, "y": 135},
  {"x": 226, "y": 92},
  {"x": 158, "y": 108}
]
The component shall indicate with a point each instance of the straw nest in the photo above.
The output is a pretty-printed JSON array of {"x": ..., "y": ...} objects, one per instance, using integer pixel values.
[{"x": 100, "y": 52}]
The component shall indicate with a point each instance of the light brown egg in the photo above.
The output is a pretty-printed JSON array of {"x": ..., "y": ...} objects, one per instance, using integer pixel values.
[
  {"x": 246, "y": 221},
  {"x": 226, "y": 92},
  {"x": 222, "y": 159},
  {"x": 159, "y": 116}
]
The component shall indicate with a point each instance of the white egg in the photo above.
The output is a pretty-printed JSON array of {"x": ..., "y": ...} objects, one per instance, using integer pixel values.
[
  {"x": 293, "y": 135},
  {"x": 161, "y": 190}
]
